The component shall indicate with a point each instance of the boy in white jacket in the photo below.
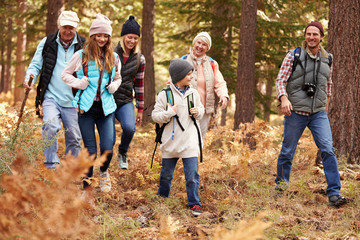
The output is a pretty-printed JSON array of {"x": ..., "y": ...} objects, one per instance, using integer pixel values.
[{"x": 177, "y": 142}]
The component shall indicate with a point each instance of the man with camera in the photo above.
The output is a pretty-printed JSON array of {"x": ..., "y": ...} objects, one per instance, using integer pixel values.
[{"x": 303, "y": 87}]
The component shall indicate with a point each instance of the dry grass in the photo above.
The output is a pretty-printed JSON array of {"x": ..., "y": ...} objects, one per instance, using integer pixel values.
[
  {"x": 236, "y": 178},
  {"x": 42, "y": 204}
]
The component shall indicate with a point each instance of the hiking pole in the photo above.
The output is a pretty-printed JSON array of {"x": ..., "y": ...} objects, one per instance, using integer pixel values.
[
  {"x": 23, "y": 105},
  {"x": 152, "y": 159}
]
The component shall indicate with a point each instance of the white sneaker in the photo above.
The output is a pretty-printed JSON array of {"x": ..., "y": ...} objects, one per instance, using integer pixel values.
[{"x": 105, "y": 183}]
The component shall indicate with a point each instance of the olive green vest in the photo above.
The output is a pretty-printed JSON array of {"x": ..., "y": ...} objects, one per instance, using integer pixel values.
[{"x": 309, "y": 69}]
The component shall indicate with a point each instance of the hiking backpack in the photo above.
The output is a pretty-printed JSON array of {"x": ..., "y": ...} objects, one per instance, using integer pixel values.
[{"x": 160, "y": 129}]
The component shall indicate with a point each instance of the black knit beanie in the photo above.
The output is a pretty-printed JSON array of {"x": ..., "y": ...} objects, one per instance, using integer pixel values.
[
  {"x": 130, "y": 26},
  {"x": 178, "y": 69}
]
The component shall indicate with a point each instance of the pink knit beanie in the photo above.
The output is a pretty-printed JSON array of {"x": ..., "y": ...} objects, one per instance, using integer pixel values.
[{"x": 100, "y": 25}]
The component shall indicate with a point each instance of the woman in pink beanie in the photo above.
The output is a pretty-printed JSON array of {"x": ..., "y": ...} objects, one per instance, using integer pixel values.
[{"x": 97, "y": 76}]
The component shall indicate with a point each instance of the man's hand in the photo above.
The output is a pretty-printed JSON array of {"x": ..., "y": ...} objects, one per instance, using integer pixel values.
[
  {"x": 139, "y": 118},
  {"x": 286, "y": 106},
  {"x": 223, "y": 101},
  {"x": 27, "y": 87}
]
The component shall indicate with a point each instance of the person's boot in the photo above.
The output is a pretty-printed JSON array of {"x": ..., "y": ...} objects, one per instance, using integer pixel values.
[
  {"x": 337, "y": 200},
  {"x": 123, "y": 164}
]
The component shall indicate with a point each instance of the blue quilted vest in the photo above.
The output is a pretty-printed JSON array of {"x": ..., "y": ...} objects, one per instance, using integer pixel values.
[{"x": 88, "y": 95}]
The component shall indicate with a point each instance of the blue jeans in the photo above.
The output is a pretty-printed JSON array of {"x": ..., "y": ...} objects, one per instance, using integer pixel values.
[
  {"x": 126, "y": 116},
  {"x": 105, "y": 127},
  {"x": 319, "y": 125},
  {"x": 191, "y": 177},
  {"x": 53, "y": 114}
]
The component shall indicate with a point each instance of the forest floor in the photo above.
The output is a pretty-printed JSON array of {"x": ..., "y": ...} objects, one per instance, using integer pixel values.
[{"x": 236, "y": 189}]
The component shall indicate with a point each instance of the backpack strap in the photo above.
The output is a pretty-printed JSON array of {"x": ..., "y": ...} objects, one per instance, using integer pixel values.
[
  {"x": 170, "y": 99},
  {"x": 330, "y": 58},
  {"x": 169, "y": 96},
  {"x": 296, "y": 58},
  {"x": 212, "y": 63},
  {"x": 190, "y": 101}
]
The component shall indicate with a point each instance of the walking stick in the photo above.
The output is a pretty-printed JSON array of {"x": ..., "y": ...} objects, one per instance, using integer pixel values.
[{"x": 23, "y": 105}]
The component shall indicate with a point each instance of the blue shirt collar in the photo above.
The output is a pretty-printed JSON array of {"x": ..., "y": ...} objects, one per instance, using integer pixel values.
[{"x": 182, "y": 91}]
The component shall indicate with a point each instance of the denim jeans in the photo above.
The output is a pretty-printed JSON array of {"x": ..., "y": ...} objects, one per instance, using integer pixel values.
[
  {"x": 126, "y": 116},
  {"x": 319, "y": 125},
  {"x": 53, "y": 114},
  {"x": 105, "y": 127},
  {"x": 191, "y": 177}
]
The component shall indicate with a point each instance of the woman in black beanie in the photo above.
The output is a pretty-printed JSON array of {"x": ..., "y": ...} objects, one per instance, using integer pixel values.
[{"x": 132, "y": 73}]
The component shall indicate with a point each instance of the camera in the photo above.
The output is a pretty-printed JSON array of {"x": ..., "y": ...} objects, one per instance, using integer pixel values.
[{"x": 309, "y": 88}]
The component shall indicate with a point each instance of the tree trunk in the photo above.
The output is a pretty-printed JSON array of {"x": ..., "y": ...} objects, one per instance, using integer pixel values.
[
  {"x": 20, "y": 49},
  {"x": 2, "y": 57},
  {"x": 269, "y": 80},
  {"x": 7, "y": 86},
  {"x": 147, "y": 48},
  {"x": 54, "y": 8},
  {"x": 228, "y": 56},
  {"x": 2, "y": 75},
  {"x": 245, "y": 87},
  {"x": 344, "y": 43},
  {"x": 221, "y": 50},
  {"x": 268, "y": 101}
]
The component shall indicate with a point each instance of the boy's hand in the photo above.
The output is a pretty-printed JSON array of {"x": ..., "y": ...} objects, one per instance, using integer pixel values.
[
  {"x": 174, "y": 108},
  {"x": 194, "y": 111}
]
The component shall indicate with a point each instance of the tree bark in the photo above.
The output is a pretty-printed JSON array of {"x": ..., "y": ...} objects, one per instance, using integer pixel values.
[
  {"x": 2, "y": 53},
  {"x": 245, "y": 87},
  {"x": 54, "y": 8},
  {"x": 221, "y": 50},
  {"x": 268, "y": 101},
  {"x": 147, "y": 48},
  {"x": 20, "y": 49},
  {"x": 344, "y": 43},
  {"x": 7, "y": 86},
  {"x": 2, "y": 57}
]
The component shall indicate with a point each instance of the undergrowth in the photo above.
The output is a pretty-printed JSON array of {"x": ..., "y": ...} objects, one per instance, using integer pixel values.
[{"x": 236, "y": 191}]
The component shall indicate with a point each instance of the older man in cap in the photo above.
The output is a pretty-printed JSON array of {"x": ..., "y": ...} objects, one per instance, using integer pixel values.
[
  {"x": 207, "y": 78},
  {"x": 303, "y": 88},
  {"x": 53, "y": 95}
]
